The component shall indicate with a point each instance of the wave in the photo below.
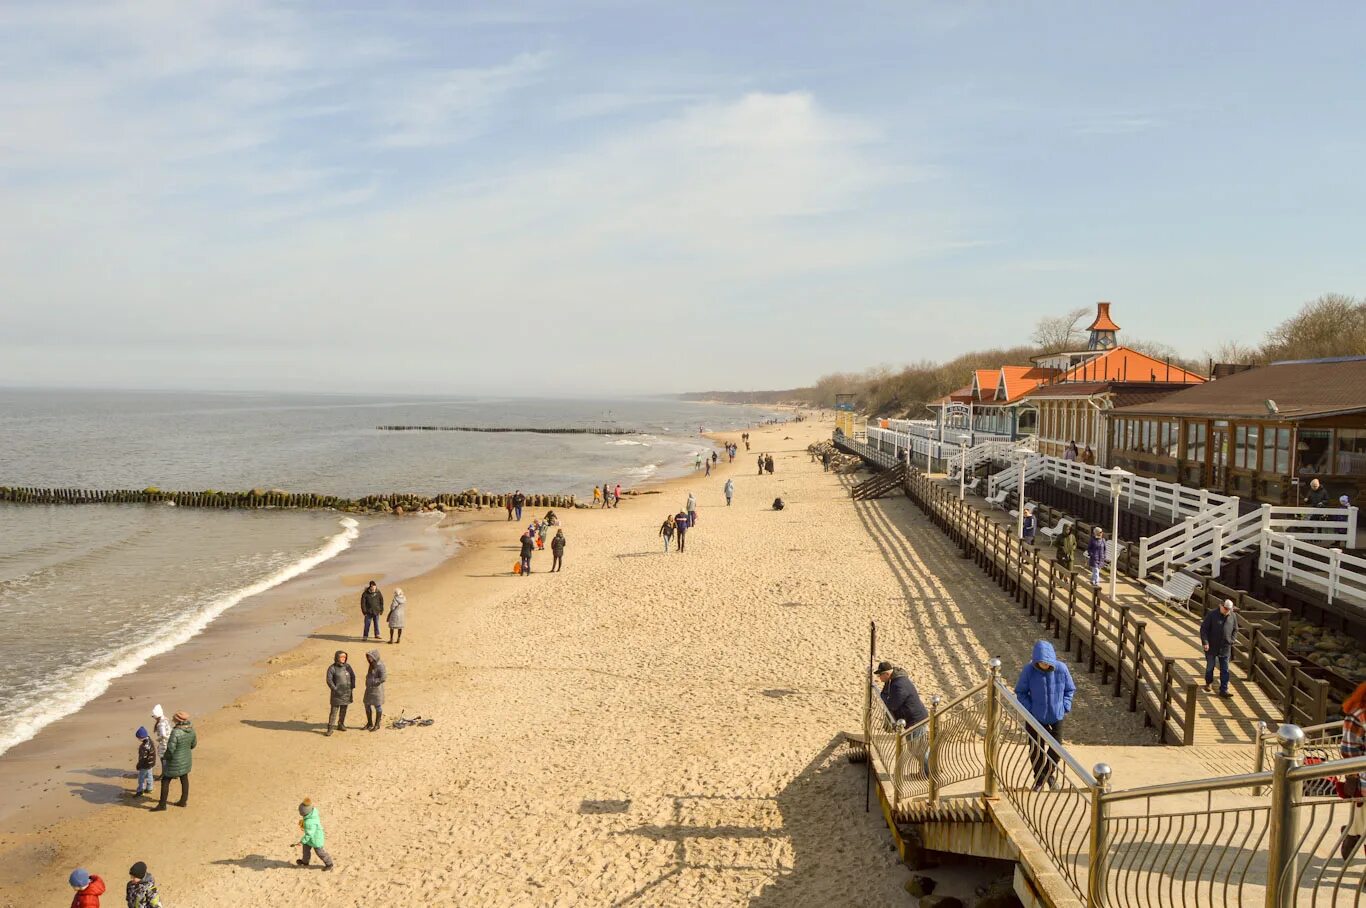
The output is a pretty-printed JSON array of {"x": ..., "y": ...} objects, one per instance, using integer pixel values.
[
  {"x": 629, "y": 441},
  {"x": 74, "y": 691}
]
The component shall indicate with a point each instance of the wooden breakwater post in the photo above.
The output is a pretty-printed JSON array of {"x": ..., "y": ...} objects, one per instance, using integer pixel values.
[{"x": 391, "y": 502}]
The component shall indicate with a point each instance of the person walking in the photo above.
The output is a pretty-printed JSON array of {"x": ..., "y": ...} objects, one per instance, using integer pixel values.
[
  {"x": 709, "y": 469},
  {"x": 371, "y": 607},
  {"x": 557, "y": 551},
  {"x": 147, "y": 760},
  {"x": 826, "y": 458},
  {"x": 1095, "y": 555},
  {"x": 597, "y": 496},
  {"x": 161, "y": 731},
  {"x": 666, "y": 529},
  {"x": 616, "y": 496},
  {"x": 1027, "y": 533},
  {"x": 903, "y": 703},
  {"x": 761, "y": 465},
  {"x": 518, "y": 502},
  {"x": 528, "y": 549},
  {"x": 375, "y": 676},
  {"x": 141, "y": 890},
  {"x": 729, "y": 490},
  {"x": 692, "y": 510},
  {"x": 681, "y": 528},
  {"x": 1067, "y": 547},
  {"x": 89, "y": 887},
  {"x": 179, "y": 760},
  {"x": 1353, "y": 745},
  {"x": 397, "y": 616},
  {"x": 313, "y": 839},
  {"x": 341, "y": 685},
  {"x": 507, "y": 502},
  {"x": 1045, "y": 689},
  {"x": 768, "y": 464},
  {"x": 1318, "y": 495},
  {"x": 1217, "y": 633}
]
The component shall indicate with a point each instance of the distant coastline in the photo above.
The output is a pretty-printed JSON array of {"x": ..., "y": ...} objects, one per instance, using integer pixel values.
[{"x": 793, "y": 397}]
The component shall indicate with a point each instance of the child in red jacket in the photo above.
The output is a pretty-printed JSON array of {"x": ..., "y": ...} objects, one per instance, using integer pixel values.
[{"x": 89, "y": 887}]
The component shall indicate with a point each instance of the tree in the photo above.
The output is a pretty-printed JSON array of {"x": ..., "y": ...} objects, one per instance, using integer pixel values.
[
  {"x": 1332, "y": 325},
  {"x": 1233, "y": 352},
  {"x": 1053, "y": 333}
]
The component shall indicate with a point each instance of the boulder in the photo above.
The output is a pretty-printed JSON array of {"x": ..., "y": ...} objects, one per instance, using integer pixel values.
[
  {"x": 920, "y": 885},
  {"x": 940, "y": 901}
]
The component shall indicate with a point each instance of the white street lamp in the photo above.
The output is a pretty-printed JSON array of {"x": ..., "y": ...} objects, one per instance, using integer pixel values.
[
  {"x": 1117, "y": 478},
  {"x": 963, "y": 465},
  {"x": 1020, "y": 496}
]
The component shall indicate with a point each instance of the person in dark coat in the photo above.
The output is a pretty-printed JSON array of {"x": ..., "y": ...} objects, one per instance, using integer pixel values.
[
  {"x": 681, "y": 529},
  {"x": 1217, "y": 633},
  {"x": 768, "y": 463},
  {"x": 1095, "y": 555},
  {"x": 178, "y": 761},
  {"x": 528, "y": 548},
  {"x": 519, "y": 502},
  {"x": 341, "y": 682},
  {"x": 557, "y": 550},
  {"x": 903, "y": 702},
  {"x": 1045, "y": 689},
  {"x": 1318, "y": 495},
  {"x": 371, "y": 607},
  {"x": 375, "y": 676}
]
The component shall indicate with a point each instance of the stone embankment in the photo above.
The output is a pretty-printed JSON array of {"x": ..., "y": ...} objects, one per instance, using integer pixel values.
[
  {"x": 391, "y": 503},
  {"x": 839, "y": 461}
]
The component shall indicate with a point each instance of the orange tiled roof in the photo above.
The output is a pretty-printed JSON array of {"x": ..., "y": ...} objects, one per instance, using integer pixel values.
[
  {"x": 1103, "y": 321},
  {"x": 1123, "y": 364},
  {"x": 1020, "y": 380},
  {"x": 985, "y": 381}
]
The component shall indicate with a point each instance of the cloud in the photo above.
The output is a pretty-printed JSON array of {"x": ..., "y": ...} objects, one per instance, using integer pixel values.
[{"x": 448, "y": 106}]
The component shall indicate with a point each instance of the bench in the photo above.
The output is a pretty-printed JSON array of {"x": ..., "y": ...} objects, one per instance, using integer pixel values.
[
  {"x": 999, "y": 499},
  {"x": 1029, "y": 506},
  {"x": 1064, "y": 525},
  {"x": 1175, "y": 590},
  {"x": 972, "y": 486}
]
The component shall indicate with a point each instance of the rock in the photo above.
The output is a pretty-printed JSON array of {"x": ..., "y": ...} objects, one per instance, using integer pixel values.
[
  {"x": 940, "y": 901},
  {"x": 1000, "y": 894},
  {"x": 1330, "y": 645},
  {"x": 919, "y": 885}
]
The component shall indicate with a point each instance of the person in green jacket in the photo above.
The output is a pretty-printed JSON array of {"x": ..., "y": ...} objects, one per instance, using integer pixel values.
[
  {"x": 312, "y": 840},
  {"x": 177, "y": 760},
  {"x": 1067, "y": 548}
]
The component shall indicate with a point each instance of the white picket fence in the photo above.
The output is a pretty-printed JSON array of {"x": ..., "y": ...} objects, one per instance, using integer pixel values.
[{"x": 1336, "y": 574}]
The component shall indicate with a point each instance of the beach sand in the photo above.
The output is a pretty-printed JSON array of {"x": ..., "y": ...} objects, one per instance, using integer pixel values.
[{"x": 640, "y": 729}]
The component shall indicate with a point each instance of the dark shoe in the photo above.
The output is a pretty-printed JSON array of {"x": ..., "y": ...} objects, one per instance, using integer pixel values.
[
  {"x": 1225, "y": 693},
  {"x": 182, "y": 803},
  {"x": 158, "y": 807},
  {"x": 367, "y": 726},
  {"x": 301, "y": 862},
  {"x": 1207, "y": 688},
  {"x": 341, "y": 728},
  {"x": 1349, "y": 844},
  {"x": 328, "y": 733},
  {"x": 327, "y": 867}
]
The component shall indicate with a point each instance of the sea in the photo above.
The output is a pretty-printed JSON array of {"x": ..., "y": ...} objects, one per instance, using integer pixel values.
[{"x": 89, "y": 593}]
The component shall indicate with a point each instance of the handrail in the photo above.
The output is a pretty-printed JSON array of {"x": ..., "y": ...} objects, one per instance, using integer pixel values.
[{"x": 1191, "y": 786}]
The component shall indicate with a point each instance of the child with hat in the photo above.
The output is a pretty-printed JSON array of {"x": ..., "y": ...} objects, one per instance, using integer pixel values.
[
  {"x": 141, "y": 891},
  {"x": 312, "y": 840},
  {"x": 89, "y": 887},
  {"x": 147, "y": 758}
]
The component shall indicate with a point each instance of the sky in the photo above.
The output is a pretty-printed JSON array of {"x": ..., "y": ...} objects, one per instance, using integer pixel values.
[{"x": 537, "y": 198}]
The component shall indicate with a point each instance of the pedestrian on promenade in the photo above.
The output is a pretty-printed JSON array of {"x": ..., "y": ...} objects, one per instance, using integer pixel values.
[
  {"x": 616, "y": 496},
  {"x": 903, "y": 702},
  {"x": 826, "y": 457},
  {"x": 1045, "y": 689},
  {"x": 692, "y": 510},
  {"x": 341, "y": 686},
  {"x": 507, "y": 501},
  {"x": 518, "y": 502},
  {"x": 1318, "y": 495},
  {"x": 371, "y": 607},
  {"x": 666, "y": 529},
  {"x": 768, "y": 463},
  {"x": 1217, "y": 633},
  {"x": 141, "y": 890},
  {"x": 729, "y": 490},
  {"x": 1027, "y": 534},
  {"x": 528, "y": 547},
  {"x": 1071, "y": 452},
  {"x": 375, "y": 676},
  {"x": 1353, "y": 745},
  {"x": 179, "y": 760},
  {"x": 161, "y": 731},
  {"x": 147, "y": 760},
  {"x": 1095, "y": 555},
  {"x": 311, "y": 823},
  {"x": 89, "y": 887},
  {"x": 557, "y": 551},
  {"x": 1067, "y": 547},
  {"x": 397, "y": 614},
  {"x": 1088, "y": 456},
  {"x": 681, "y": 525}
]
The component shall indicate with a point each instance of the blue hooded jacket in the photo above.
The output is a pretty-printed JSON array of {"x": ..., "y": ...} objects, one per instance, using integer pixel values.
[{"x": 1046, "y": 694}]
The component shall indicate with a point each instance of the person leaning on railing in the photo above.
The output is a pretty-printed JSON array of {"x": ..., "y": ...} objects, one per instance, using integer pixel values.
[
  {"x": 903, "y": 701},
  {"x": 1354, "y": 745}
]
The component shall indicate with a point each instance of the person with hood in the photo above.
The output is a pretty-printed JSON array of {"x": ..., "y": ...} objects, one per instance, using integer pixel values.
[
  {"x": 1067, "y": 547},
  {"x": 396, "y": 615},
  {"x": 1217, "y": 633},
  {"x": 141, "y": 891},
  {"x": 1045, "y": 689},
  {"x": 371, "y": 607},
  {"x": 89, "y": 887},
  {"x": 903, "y": 702},
  {"x": 147, "y": 760},
  {"x": 341, "y": 682},
  {"x": 161, "y": 730},
  {"x": 375, "y": 676},
  {"x": 557, "y": 551},
  {"x": 692, "y": 510},
  {"x": 1095, "y": 554},
  {"x": 311, "y": 823},
  {"x": 768, "y": 464},
  {"x": 729, "y": 490},
  {"x": 528, "y": 549},
  {"x": 178, "y": 761}
]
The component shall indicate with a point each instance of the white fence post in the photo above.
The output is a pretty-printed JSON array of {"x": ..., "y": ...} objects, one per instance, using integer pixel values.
[
  {"x": 1334, "y": 565},
  {"x": 1352, "y": 527}
]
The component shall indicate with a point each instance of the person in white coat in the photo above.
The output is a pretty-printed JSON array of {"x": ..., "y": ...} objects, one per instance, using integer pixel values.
[{"x": 161, "y": 731}]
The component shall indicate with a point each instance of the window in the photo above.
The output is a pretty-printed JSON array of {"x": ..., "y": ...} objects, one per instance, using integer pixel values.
[
  {"x": 1276, "y": 451},
  {"x": 1314, "y": 450},
  {"x": 1195, "y": 442},
  {"x": 1351, "y": 452},
  {"x": 1245, "y": 447}
]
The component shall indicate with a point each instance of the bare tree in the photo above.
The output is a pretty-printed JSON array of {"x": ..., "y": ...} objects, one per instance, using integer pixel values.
[
  {"x": 1053, "y": 333},
  {"x": 1233, "y": 352},
  {"x": 1332, "y": 325}
]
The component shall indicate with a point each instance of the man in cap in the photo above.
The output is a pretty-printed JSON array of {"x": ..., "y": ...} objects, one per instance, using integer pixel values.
[
  {"x": 1217, "y": 633},
  {"x": 903, "y": 701}
]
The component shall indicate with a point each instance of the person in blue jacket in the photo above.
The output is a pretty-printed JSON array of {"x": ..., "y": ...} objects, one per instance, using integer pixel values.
[{"x": 1045, "y": 689}]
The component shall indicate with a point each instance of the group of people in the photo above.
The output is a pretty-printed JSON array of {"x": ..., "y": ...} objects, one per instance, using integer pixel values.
[
  {"x": 341, "y": 687},
  {"x": 514, "y": 503},
  {"x": 533, "y": 541},
  {"x": 1318, "y": 496},
  {"x": 765, "y": 464},
  {"x": 1087, "y": 456},
  {"x": 372, "y": 607},
  {"x": 675, "y": 527},
  {"x": 140, "y": 891},
  {"x": 605, "y": 496},
  {"x": 172, "y": 746}
]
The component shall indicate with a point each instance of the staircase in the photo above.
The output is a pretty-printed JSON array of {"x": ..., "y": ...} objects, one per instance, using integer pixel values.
[
  {"x": 1008, "y": 478},
  {"x": 880, "y": 484}
]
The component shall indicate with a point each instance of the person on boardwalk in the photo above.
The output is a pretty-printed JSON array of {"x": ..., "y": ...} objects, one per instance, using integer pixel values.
[
  {"x": 397, "y": 615},
  {"x": 1067, "y": 547},
  {"x": 557, "y": 551},
  {"x": 681, "y": 528},
  {"x": 89, "y": 887},
  {"x": 341, "y": 685},
  {"x": 692, "y": 510},
  {"x": 179, "y": 760},
  {"x": 141, "y": 891},
  {"x": 507, "y": 501},
  {"x": 1045, "y": 689},
  {"x": 147, "y": 760},
  {"x": 371, "y": 607},
  {"x": 729, "y": 490},
  {"x": 375, "y": 676},
  {"x": 161, "y": 730},
  {"x": 1318, "y": 495},
  {"x": 1088, "y": 456},
  {"x": 768, "y": 464},
  {"x": 1030, "y": 525},
  {"x": 1354, "y": 745},
  {"x": 311, "y": 823},
  {"x": 1217, "y": 633},
  {"x": 903, "y": 702},
  {"x": 518, "y": 502},
  {"x": 1095, "y": 554}
]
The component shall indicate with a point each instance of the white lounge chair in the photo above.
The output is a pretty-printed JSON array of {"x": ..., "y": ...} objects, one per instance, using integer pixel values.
[
  {"x": 999, "y": 499},
  {"x": 1064, "y": 525},
  {"x": 972, "y": 486},
  {"x": 1031, "y": 505},
  {"x": 1175, "y": 590}
]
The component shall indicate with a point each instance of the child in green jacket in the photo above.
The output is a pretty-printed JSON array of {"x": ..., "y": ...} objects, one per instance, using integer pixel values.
[{"x": 312, "y": 825}]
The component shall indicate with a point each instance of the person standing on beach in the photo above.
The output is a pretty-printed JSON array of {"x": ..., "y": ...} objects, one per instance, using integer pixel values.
[
  {"x": 528, "y": 547},
  {"x": 681, "y": 524},
  {"x": 507, "y": 500},
  {"x": 761, "y": 465},
  {"x": 313, "y": 838},
  {"x": 616, "y": 497},
  {"x": 89, "y": 887},
  {"x": 666, "y": 529},
  {"x": 697, "y": 462},
  {"x": 729, "y": 490},
  {"x": 141, "y": 891},
  {"x": 1045, "y": 688},
  {"x": 396, "y": 615},
  {"x": 375, "y": 676},
  {"x": 371, "y": 607},
  {"x": 341, "y": 684},
  {"x": 179, "y": 760},
  {"x": 597, "y": 497},
  {"x": 557, "y": 551},
  {"x": 147, "y": 759},
  {"x": 161, "y": 730},
  {"x": 768, "y": 464},
  {"x": 518, "y": 502},
  {"x": 692, "y": 510}
]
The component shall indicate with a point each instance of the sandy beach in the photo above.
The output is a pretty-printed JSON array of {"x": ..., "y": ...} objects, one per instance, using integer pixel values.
[{"x": 640, "y": 729}]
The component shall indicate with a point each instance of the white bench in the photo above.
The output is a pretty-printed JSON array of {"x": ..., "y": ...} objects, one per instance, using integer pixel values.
[
  {"x": 1175, "y": 590},
  {"x": 1029, "y": 506},
  {"x": 1064, "y": 525},
  {"x": 999, "y": 499},
  {"x": 972, "y": 486}
]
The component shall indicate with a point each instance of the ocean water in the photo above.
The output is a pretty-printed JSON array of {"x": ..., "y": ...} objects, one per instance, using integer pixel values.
[{"x": 89, "y": 593}]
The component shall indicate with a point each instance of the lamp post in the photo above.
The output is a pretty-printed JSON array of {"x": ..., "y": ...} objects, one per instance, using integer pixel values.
[
  {"x": 1117, "y": 477},
  {"x": 1020, "y": 498},
  {"x": 963, "y": 465}
]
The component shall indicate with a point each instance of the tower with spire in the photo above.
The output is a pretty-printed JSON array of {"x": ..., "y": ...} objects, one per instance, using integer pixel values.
[{"x": 1103, "y": 330}]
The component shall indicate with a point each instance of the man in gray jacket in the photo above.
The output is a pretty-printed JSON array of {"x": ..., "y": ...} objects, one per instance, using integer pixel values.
[{"x": 1217, "y": 633}]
